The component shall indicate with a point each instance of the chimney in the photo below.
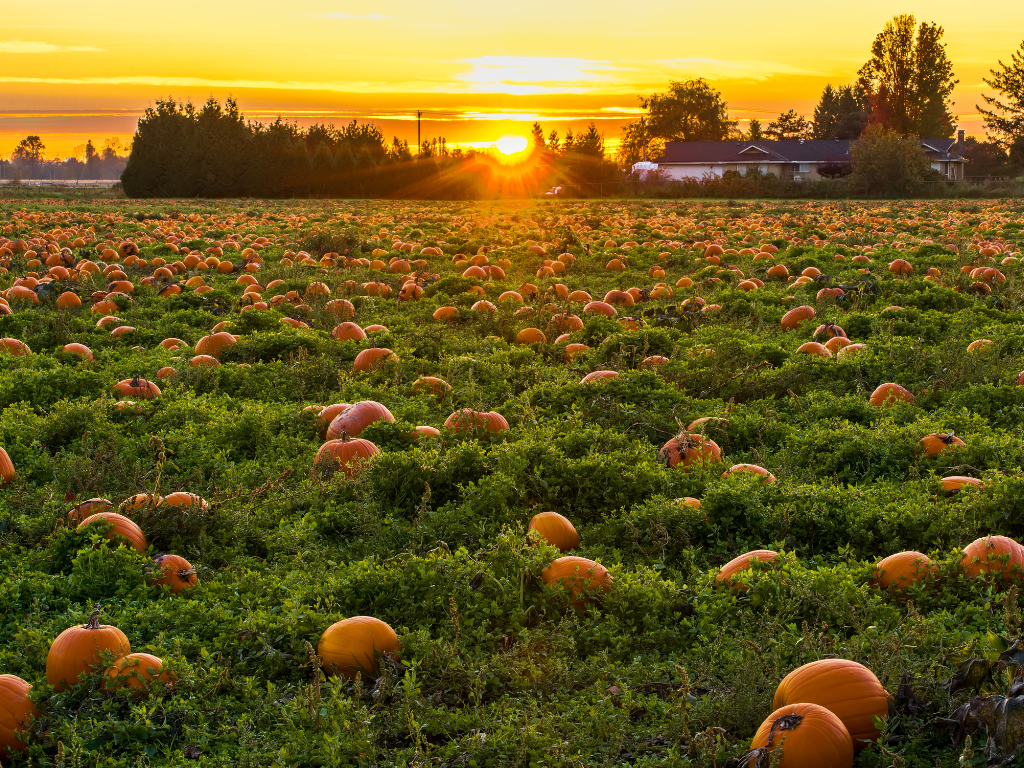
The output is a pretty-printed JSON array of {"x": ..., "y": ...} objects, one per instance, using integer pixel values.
[{"x": 960, "y": 143}]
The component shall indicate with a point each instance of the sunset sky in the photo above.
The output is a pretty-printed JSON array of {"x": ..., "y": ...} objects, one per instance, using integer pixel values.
[{"x": 71, "y": 71}]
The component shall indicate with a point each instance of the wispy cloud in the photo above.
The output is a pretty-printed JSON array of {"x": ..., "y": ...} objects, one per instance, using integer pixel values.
[
  {"x": 27, "y": 46},
  {"x": 351, "y": 16},
  {"x": 528, "y": 75},
  {"x": 741, "y": 69}
]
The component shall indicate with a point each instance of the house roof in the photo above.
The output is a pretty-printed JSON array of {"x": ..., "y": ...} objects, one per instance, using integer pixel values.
[{"x": 794, "y": 151}]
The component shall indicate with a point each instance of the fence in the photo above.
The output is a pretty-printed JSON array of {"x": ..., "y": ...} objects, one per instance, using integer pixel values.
[{"x": 71, "y": 183}]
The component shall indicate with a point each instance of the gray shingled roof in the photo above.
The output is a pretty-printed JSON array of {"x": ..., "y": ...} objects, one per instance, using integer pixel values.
[{"x": 795, "y": 151}]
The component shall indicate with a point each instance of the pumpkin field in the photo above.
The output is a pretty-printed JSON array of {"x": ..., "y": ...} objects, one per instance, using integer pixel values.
[{"x": 554, "y": 483}]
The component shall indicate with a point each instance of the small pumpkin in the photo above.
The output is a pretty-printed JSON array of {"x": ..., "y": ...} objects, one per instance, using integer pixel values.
[
  {"x": 83, "y": 509},
  {"x": 743, "y": 563},
  {"x": 555, "y": 530},
  {"x": 136, "y": 672},
  {"x": 849, "y": 690},
  {"x": 214, "y": 344},
  {"x": 687, "y": 449},
  {"x": 750, "y": 468},
  {"x": 350, "y": 647},
  {"x": 78, "y": 649},
  {"x": 174, "y": 571},
  {"x": 16, "y": 713},
  {"x": 598, "y": 375},
  {"x": 804, "y": 736},
  {"x": 955, "y": 483},
  {"x": 432, "y": 385},
  {"x": 796, "y": 317}
]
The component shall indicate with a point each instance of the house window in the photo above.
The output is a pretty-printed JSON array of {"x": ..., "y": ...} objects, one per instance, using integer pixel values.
[{"x": 804, "y": 168}]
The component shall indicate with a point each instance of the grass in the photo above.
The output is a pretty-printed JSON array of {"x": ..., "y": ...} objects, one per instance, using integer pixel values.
[{"x": 496, "y": 668}]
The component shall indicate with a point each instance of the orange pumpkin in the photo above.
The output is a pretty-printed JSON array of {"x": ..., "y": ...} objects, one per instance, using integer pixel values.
[
  {"x": 581, "y": 577},
  {"x": 357, "y": 417},
  {"x": 432, "y": 385},
  {"x": 137, "y": 386},
  {"x": 804, "y": 736},
  {"x": 531, "y": 336},
  {"x": 348, "y": 331},
  {"x": 743, "y": 563},
  {"x": 83, "y": 509},
  {"x": 7, "y": 471},
  {"x": 78, "y": 349},
  {"x": 797, "y": 317},
  {"x": 468, "y": 420},
  {"x": 890, "y": 394},
  {"x": 993, "y": 554},
  {"x": 815, "y": 349},
  {"x": 122, "y": 527},
  {"x": 687, "y": 449},
  {"x": 751, "y": 468},
  {"x": 347, "y": 454},
  {"x": 350, "y": 647},
  {"x": 326, "y": 415},
  {"x": 903, "y": 568},
  {"x": 598, "y": 375},
  {"x": 136, "y": 671},
  {"x": 174, "y": 571},
  {"x": 184, "y": 499},
  {"x": 556, "y": 530},
  {"x": 937, "y": 442},
  {"x": 16, "y": 713},
  {"x": 373, "y": 358},
  {"x": 847, "y": 689},
  {"x": 955, "y": 483},
  {"x": 77, "y": 650},
  {"x": 214, "y": 344}
]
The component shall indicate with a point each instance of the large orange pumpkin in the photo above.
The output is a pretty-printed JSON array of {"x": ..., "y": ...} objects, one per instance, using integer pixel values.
[
  {"x": 121, "y": 527},
  {"x": 350, "y": 647},
  {"x": 556, "y": 530},
  {"x": 347, "y": 454},
  {"x": 16, "y": 712},
  {"x": 904, "y": 568},
  {"x": 993, "y": 554},
  {"x": 847, "y": 689},
  {"x": 357, "y": 417},
  {"x": 77, "y": 649},
  {"x": 805, "y": 735},
  {"x": 327, "y": 415},
  {"x": 583, "y": 578},
  {"x": 174, "y": 571}
]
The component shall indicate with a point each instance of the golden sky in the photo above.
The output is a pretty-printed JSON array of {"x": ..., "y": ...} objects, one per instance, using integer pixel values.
[{"x": 70, "y": 71}]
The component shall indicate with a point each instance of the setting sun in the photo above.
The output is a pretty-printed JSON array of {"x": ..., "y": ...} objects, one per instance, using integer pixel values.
[{"x": 511, "y": 145}]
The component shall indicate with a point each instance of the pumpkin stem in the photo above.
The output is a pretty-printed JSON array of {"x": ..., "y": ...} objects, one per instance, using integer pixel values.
[
  {"x": 344, "y": 436},
  {"x": 186, "y": 573},
  {"x": 94, "y": 619}
]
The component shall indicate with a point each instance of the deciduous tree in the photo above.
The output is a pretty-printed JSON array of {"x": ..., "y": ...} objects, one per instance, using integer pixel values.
[
  {"x": 886, "y": 162},
  {"x": 1004, "y": 121}
]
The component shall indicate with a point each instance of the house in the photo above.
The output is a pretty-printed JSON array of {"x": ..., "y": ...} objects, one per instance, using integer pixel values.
[{"x": 797, "y": 159}]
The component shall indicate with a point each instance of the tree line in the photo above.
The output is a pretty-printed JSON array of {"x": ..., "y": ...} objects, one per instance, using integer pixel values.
[
  {"x": 904, "y": 89},
  {"x": 180, "y": 150},
  {"x": 28, "y": 161}
]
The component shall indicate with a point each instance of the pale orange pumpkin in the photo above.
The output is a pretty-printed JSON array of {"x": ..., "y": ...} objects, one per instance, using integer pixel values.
[
  {"x": 582, "y": 578},
  {"x": 555, "y": 529},
  {"x": 351, "y": 646}
]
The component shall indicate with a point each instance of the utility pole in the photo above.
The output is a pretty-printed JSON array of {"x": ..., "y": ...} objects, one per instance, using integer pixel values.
[
  {"x": 643, "y": 134},
  {"x": 419, "y": 141}
]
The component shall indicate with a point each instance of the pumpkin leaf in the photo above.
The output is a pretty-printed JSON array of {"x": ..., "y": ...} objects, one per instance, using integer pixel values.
[{"x": 1002, "y": 719}]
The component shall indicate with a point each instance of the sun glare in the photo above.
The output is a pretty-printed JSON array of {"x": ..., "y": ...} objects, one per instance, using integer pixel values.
[{"x": 511, "y": 145}]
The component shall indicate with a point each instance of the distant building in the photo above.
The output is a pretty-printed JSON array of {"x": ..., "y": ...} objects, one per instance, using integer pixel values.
[{"x": 800, "y": 160}]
